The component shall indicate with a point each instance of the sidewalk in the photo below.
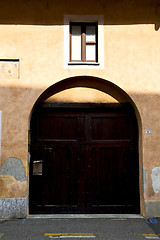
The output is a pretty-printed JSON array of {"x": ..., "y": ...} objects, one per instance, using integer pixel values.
[{"x": 85, "y": 229}]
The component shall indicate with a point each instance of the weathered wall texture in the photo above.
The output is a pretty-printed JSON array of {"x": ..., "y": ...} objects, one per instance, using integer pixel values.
[
  {"x": 156, "y": 179},
  {"x": 13, "y": 180},
  {"x": 9, "y": 69},
  {"x": 32, "y": 59}
]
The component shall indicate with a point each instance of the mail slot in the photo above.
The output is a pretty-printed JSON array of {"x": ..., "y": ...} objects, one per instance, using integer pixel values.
[{"x": 37, "y": 167}]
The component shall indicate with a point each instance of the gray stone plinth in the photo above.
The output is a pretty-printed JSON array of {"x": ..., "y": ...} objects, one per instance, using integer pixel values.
[
  {"x": 152, "y": 209},
  {"x": 13, "y": 207}
]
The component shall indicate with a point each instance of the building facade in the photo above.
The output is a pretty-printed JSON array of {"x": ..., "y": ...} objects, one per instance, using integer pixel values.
[{"x": 79, "y": 101}]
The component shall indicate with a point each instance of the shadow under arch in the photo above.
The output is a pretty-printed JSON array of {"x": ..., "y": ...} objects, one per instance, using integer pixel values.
[
  {"x": 104, "y": 86},
  {"x": 89, "y": 82}
]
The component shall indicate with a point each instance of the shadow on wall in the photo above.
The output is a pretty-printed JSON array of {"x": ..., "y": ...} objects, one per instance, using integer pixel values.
[
  {"x": 16, "y": 121},
  {"x": 39, "y": 12},
  {"x": 25, "y": 98},
  {"x": 17, "y": 116}
]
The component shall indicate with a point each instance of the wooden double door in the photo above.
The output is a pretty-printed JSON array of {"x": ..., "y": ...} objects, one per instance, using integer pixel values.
[{"x": 84, "y": 160}]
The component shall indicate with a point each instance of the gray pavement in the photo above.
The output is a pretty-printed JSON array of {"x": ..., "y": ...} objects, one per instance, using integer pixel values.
[{"x": 80, "y": 229}]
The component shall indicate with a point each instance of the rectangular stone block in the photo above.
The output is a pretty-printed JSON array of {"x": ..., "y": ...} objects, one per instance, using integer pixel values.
[
  {"x": 152, "y": 209},
  {"x": 13, "y": 207}
]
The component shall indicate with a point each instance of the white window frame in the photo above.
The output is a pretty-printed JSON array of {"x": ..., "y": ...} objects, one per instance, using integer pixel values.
[{"x": 84, "y": 18}]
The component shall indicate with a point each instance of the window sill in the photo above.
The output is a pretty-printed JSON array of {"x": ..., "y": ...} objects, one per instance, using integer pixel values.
[{"x": 84, "y": 63}]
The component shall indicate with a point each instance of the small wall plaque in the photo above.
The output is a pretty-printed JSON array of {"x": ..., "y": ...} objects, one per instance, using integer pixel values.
[
  {"x": 9, "y": 68},
  {"x": 147, "y": 131}
]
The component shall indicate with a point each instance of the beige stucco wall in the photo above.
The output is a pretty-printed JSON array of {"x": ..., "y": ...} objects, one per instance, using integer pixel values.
[{"x": 36, "y": 41}]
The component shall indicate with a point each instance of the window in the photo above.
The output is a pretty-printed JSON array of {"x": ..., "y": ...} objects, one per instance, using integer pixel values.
[{"x": 83, "y": 42}]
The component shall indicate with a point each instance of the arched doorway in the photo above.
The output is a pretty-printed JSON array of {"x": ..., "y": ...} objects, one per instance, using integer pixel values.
[{"x": 84, "y": 156}]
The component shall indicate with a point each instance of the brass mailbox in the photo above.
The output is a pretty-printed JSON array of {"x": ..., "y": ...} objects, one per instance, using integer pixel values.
[{"x": 37, "y": 167}]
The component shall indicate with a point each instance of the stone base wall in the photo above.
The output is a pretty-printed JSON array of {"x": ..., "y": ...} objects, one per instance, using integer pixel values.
[
  {"x": 17, "y": 208},
  {"x": 13, "y": 208},
  {"x": 152, "y": 209}
]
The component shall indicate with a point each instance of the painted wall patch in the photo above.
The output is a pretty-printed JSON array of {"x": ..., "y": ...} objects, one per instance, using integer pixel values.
[
  {"x": 156, "y": 179},
  {"x": 13, "y": 167}
]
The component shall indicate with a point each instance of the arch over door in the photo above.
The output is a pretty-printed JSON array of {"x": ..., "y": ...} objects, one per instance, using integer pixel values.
[{"x": 84, "y": 159}]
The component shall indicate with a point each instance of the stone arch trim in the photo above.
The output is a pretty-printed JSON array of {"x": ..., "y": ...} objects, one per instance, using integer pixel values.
[{"x": 90, "y": 82}]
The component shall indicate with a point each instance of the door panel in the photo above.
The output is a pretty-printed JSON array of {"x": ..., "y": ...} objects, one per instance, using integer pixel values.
[
  {"x": 112, "y": 128},
  {"x": 57, "y": 176},
  {"x": 89, "y": 158},
  {"x": 111, "y": 168},
  {"x": 56, "y": 127}
]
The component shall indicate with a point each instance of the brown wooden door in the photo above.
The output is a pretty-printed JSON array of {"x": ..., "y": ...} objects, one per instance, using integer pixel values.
[{"x": 89, "y": 160}]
